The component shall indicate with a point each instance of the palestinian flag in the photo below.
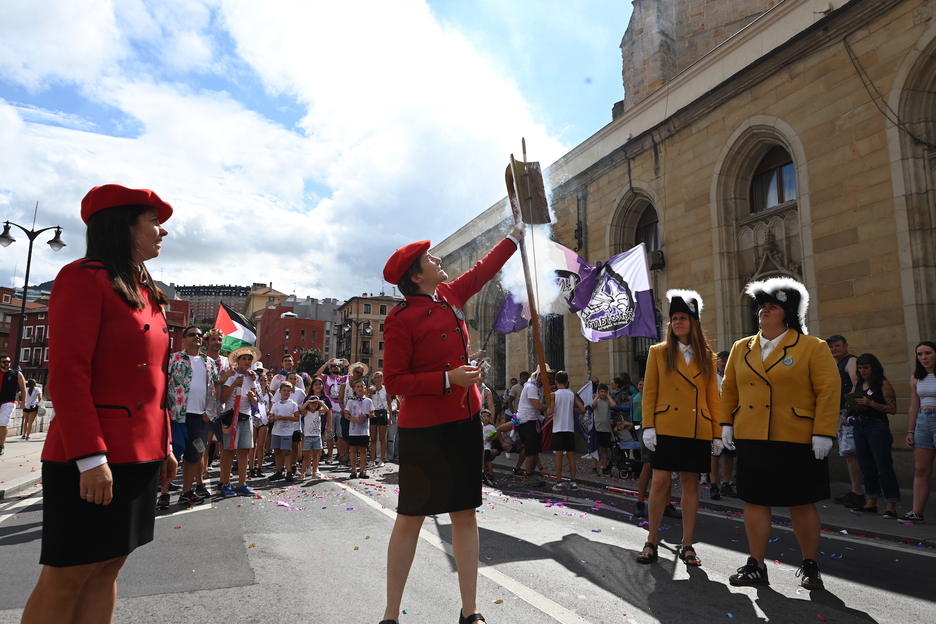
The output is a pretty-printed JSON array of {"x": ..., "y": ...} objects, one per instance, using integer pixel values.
[{"x": 238, "y": 331}]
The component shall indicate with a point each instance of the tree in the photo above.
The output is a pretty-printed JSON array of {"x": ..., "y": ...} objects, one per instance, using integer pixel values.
[{"x": 311, "y": 361}]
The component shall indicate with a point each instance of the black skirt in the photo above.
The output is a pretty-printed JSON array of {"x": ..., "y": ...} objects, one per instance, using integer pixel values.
[
  {"x": 76, "y": 532},
  {"x": 682, "y": 454},
  {"x": 780, "y": 474},
  {"x": 440, "y": 467}
]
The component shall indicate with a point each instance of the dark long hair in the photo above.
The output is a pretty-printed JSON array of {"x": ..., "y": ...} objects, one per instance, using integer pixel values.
[
  {"x": 110, "y": 243},
  {"x": 700, "y": 348},
  {"x": 920, "y": 371},
  {"x": 876, "y": 382}
]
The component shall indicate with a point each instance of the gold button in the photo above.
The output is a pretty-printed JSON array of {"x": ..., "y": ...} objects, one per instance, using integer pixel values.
[
  {"x": 448, "y": 366},
  {"x": 448, "y": 391},
  {"x": 146, "y": 327},
  {"x": 139, "y": 406},
  {"x": 462, "y": 358},
  {"x": 165, "y": 330},
  {"x": 445, "y": 307},
  {"x": 142, "y": 367},
  {"x": 162, "y": 405},
  {"x": 443, "y": 336},
  {"x": 458, "y": 330}
]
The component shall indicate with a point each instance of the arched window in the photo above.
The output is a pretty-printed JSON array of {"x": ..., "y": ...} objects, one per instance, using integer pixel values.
[
  {"x": 774, "y": 181},
  {"x": 648, "y": 229}
]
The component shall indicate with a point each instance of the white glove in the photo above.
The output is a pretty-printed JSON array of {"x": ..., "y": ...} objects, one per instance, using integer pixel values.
[
  {"x": 821, "y": 445},
  {"x": 649, "y": 438},
  {"x": 727, "y": 437},
  {"x": 717, "y": 447}
]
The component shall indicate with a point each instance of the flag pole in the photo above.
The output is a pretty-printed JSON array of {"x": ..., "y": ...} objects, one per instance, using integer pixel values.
[{"x": 536, "y": 212}]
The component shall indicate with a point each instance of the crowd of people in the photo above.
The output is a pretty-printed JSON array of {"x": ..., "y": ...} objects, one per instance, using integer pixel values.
[{"x": 249, "y": 416}]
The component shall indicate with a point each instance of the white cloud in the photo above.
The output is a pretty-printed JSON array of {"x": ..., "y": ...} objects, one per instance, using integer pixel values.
[
  {"x": 406, "y": 126},
  {"x": 71, "y": 40}
]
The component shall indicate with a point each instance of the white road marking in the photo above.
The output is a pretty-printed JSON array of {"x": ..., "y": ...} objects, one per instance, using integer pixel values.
[
  {"x": 17, "y": 506},
  {"x": 535, "y": 599}
]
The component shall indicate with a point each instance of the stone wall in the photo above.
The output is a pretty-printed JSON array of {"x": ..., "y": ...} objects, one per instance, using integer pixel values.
[{"x": 664, "y": 37}]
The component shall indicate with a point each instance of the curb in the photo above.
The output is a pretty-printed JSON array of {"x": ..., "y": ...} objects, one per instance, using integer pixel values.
[{"x": 15, "y": 486}]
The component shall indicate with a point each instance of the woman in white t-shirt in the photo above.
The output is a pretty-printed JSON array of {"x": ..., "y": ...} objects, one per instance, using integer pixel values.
[{"x": 31, "y": 401}]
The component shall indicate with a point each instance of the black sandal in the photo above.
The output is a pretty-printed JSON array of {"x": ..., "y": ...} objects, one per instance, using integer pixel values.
[
  {"x": 475, "y": 617},
  {"x": 688, "y": 556},
  {"x": 648, "y": 557}
]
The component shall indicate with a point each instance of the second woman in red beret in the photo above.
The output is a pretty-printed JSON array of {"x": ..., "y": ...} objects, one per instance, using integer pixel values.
[{"x": 439, "y": 427}]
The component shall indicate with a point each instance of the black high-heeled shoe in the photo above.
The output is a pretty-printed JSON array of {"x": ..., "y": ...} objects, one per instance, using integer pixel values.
[
  {"x": 388, "y": 622},
  {"x": 475, "y": 617}
]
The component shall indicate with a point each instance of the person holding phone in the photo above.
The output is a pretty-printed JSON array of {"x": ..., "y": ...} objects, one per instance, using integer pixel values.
[{"x": 439, "y": 429}]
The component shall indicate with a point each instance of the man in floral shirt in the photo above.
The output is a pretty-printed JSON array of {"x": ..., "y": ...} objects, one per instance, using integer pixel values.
[{"x": 193, "y": 401}]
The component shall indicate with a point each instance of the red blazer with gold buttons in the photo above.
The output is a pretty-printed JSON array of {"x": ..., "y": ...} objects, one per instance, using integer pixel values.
[
  {"x": 107, "y": 373},
  {"x": 425, "y": 337}
]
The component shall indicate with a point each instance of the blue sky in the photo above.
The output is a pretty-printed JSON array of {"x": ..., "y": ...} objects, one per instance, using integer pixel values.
[{"x": 300, "y": 142}]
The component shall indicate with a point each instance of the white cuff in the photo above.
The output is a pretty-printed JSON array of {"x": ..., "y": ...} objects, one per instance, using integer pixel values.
[
  {"x": 447, "y": 383},
  {"x": 516, "y": 242},
  {"x": 87, "y": 463}
]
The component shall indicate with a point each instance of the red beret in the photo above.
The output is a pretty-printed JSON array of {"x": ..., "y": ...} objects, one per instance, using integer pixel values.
[
  {"x": 110, "y": 195},
  {"x": 402, "y": 259}
]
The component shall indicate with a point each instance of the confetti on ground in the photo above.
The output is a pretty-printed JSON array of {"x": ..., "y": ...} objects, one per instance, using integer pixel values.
[
  {"x": 498, "y": 601},
  {"x": 251, "y": 546}
]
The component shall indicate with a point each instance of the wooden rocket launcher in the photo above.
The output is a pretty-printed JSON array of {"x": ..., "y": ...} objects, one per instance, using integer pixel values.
[{"x": 528, "y": 203}]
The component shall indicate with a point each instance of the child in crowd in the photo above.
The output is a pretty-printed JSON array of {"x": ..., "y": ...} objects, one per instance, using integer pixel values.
[
  {"x": 602, "y": 404},
  {"x": 358, "y": 410},
  {"x": 298, "y": 397},
  {"x": 493, "y": 443},
  {"x": 315, "y": 408},
  {"x": 284, "y": 413},
  {"x": 563, "y": 409}
]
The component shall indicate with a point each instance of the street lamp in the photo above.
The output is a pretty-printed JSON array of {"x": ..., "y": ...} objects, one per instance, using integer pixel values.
[
  {"x": 5, "y": 239},
  {"x": 363, "y": 329}
]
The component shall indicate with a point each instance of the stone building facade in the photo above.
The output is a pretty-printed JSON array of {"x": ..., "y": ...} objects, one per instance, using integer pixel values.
[{"x": 757, "y": 139}]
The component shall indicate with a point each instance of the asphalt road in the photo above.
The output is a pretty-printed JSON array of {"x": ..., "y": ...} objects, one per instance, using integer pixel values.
[{"x": 316, "y": 552}]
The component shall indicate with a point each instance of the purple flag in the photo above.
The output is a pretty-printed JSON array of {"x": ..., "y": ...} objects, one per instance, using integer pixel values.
[
  {"x": 622, "y": 301},
  {"x": 513, "y": 316},
  {"x": 574, "y": 276}
]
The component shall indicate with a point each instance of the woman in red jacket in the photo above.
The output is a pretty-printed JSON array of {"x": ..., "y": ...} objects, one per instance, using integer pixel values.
[
  {"x": 439, "y": 427},
  {"x": 108, "y": 446}
]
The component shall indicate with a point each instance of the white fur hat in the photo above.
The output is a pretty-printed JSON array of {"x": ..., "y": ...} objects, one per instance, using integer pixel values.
[
  {"x": 688, "y": 301},
  {"x": 790, "y": 294}
]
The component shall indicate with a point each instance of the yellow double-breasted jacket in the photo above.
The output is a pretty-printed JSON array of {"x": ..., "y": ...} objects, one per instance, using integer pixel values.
[
  {"x": 681, "y": 402},
  {"x": 791, "y": 396}
]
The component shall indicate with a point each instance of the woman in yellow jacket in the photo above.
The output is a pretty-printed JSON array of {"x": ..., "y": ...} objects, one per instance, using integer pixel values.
[
  {"x": 780, "y": 406},
  {"x": 681, "y": 419}
]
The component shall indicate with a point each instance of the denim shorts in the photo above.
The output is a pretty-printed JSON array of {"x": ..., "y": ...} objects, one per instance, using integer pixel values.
[
  {"x": 312, "y": 443},
  {"x": 281, "y": 443},
  {"x": 924, "y": 434}
]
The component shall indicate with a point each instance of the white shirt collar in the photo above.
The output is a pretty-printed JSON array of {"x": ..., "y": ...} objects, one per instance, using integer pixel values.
[{"x": 769, "y": 345}]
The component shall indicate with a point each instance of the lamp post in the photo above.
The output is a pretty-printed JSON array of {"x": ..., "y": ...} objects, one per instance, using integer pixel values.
[
  {"x": 358, "y": 324},
  {"x": 5, "y": 239}
]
